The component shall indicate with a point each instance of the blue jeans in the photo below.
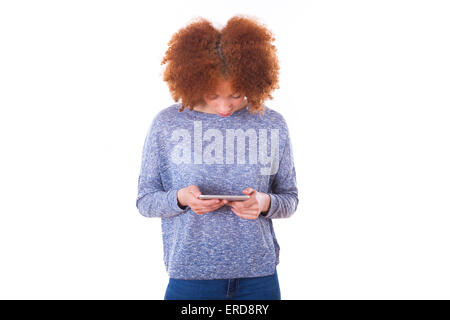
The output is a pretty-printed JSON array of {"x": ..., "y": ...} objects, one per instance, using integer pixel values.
[{"x": 259, "y": 288}]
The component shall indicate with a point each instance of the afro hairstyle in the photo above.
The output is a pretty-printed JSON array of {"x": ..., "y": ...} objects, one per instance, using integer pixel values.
[{"x": 199, "y": 56}]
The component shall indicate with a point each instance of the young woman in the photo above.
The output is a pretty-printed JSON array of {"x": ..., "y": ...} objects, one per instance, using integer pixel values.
[{"x": 220, "y": 140}]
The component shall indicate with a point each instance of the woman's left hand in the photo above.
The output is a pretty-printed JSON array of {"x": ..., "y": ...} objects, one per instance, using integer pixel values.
[{"x": 252, "y": 207}]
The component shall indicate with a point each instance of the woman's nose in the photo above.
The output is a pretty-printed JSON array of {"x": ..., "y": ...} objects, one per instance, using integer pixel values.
[{"x": 226, "y": 110}]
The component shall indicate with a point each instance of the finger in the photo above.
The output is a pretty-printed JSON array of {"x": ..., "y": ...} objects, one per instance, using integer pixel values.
[
  {"x": 252, "y": 211},
  {"x": 248, "y": 203},
  {"x": 245, "y": 216},
  {"x": 215, "y": 206},
  {"x": 204, "y": 210},
  {"x": 212, "y": 207},
  {"x": 249, "y": 191},
  {"x": 194, "y": 190},
  {"x": 242, "y": 205},
  {"x": 210, "y": 202},
  {"x": 230, "y": 203},
  {"x": 195, "y": 194},
  {"x": 207, "y": 203}
]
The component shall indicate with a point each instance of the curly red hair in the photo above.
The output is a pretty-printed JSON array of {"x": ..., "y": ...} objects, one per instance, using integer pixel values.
[{"x": 199, "y": 56}]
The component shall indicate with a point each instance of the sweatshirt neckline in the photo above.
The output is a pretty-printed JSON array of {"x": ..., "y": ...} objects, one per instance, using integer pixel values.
[{"x": 204, "y": 115}]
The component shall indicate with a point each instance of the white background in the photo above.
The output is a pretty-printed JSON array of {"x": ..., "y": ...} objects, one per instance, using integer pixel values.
[{"x": 365, "y": 92}]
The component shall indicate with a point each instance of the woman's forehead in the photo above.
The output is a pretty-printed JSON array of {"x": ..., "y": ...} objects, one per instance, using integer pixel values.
[{"x": 225, "y": 87}]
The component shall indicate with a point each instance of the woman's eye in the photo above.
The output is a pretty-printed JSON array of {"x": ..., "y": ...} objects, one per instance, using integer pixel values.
[{"x": 215, "y": 97}]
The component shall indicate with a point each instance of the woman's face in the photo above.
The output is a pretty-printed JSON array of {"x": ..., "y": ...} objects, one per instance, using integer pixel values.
[{"x": 224, "y": 101}]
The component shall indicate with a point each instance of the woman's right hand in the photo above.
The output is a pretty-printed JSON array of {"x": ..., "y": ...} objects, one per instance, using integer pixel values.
[{"x": 189, "y": 197}]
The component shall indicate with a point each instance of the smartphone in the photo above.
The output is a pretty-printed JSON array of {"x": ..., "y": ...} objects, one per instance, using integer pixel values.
[{"x": 225, "y": 197}]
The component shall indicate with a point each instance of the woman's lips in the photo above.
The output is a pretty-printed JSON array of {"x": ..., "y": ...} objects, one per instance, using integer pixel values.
[{"x": 225, "y": 114}]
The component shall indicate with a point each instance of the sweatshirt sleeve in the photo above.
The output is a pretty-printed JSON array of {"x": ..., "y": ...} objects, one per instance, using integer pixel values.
[
  {"x": 152, "y": 200},
  {"x": 283, "y": 191}
]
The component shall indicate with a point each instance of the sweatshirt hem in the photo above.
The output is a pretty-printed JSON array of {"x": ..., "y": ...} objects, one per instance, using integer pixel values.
[{"x": 174, "y": 275}]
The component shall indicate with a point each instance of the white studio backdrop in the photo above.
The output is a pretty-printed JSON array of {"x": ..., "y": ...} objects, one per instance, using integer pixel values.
[{"x": 365, "y": 92}]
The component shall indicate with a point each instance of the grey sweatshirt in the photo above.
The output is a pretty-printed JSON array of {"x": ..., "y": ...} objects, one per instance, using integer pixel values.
[{"x": 220, "y": 155}]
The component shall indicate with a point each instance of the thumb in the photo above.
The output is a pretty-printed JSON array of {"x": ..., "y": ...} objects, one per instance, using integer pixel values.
[
  {"x": 248, "y": 191},
  {"x": 195, "y": 191}
]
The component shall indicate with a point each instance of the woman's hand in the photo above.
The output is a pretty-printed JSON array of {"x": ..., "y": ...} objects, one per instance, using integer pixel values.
[
  {"x": 189, "y": 197},
  {"x": 252, "y": 207}
]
